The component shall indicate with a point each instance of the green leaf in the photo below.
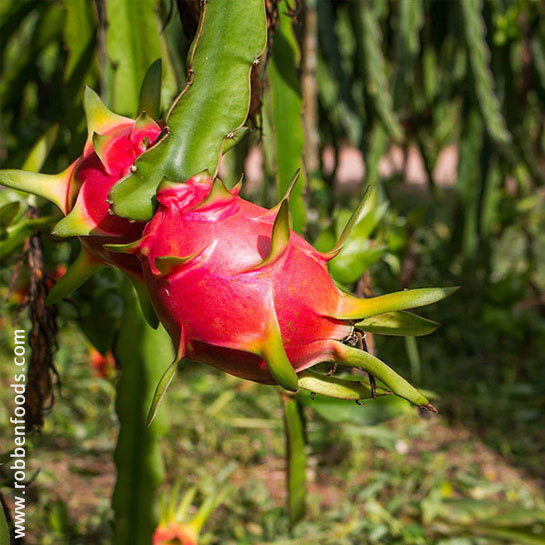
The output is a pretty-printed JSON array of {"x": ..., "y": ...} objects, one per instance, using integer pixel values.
[
  {"x": 522, "y": 536},
  {"x": 46, "y": 24},
  {"x": 284, "y": 103},
  {"x": 85, "y": 265},
  {"x": 357, "y": 253},
  {"x": 349, "y": 389},
  {"x": 161, "y": 389},
  {"x": 209, "y": 505},
  {"x": 280, "y": 237},
  {"x": 133, "y": 44},
  {"x": 149, "y": 100},
  {"x": 79, "y": 35},
  {"x": 353, "y": 357},
  {"x": 17, "y": 234},
  {"x": 356, "y": 258},
  {"x": 145, "y": 302},
  {"x": 503, "y": 520},
  {"x": 213, "y": 105},
  {"x": 40, "y": 151},
  {"x": 350, "y": 224},
  {"x": 8, "y": 213},
  {"x": 53, "y": 187},
  {"x": 400, "y": 323},
  {"x": 274, "y": 354}
]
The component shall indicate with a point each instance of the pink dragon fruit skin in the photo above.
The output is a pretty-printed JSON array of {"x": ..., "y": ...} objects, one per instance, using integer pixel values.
[
  {"x": 237, "y": 307},
  {"x": 173, "y": 533},
  {"x": 237, "y": 289}
]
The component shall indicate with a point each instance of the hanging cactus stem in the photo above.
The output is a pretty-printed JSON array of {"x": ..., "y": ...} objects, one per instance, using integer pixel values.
[{"x": 217, "y": 60}]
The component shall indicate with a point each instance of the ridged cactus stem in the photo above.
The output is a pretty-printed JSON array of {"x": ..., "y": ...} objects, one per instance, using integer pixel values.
[
  {"x": 137, "y": 457},
  {"x": 209, "y": 111},
  {"x": 296, "y": 458}
]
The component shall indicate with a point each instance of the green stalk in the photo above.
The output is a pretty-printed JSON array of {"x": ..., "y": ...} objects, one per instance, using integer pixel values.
[
  {"x": 141, "y": 353},
  {"x": 413, "y": 354},
  {"x": 296, "y": 457}
]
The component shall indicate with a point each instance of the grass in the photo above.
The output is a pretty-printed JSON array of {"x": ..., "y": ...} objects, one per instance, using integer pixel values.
[{"x": 404, "y": 481}]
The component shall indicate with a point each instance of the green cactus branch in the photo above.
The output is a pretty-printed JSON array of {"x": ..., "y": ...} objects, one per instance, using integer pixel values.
[
  {"x": 479, "y": 57},
  {"x": 376, "y": 80},
  {"x": 296, "y": 457},
  {"x": 137, "y": 456},
  {"x": 214, "y": 104}
]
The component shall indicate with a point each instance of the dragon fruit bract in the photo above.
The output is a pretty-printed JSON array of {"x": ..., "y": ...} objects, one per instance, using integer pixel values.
[
  {"x": 108, "y": 157},
  {"x": 237, "y": 289}
]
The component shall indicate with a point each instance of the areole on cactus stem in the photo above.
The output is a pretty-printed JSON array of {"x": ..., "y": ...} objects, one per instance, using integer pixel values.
[{"x": 237, "y": 289}]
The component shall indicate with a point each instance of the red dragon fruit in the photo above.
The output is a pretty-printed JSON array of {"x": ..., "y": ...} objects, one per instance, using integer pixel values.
[
  {"x": 237, "y": 289},
  {"x": 113, "y": 144},
  {"x": 181, "y": 521},
  {"x": 103, "y": 365},
  {"x": 174, "y": 533}
]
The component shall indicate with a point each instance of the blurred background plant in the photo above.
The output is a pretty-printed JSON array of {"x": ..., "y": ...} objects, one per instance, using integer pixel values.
[{"x": 440, "y": 107}]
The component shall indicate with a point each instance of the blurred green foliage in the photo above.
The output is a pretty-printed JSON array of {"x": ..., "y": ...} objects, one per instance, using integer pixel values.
[
  {"x": 467, "y": 75},
  {"x": 409, "y": 481},
  {"x": 416, "y": 74}
]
